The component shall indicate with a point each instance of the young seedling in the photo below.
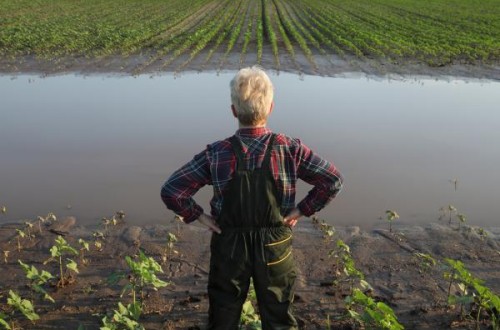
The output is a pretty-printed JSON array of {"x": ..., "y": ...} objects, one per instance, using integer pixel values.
[
  {"x": 20, "y": 234},
  {"x": 60, "y": 249},
  {"x": 98, "y": 236},
  {"x": 169, "y": 247},
  {"x": 123, "y": 318},
  {"x": 49, "y": 218},
  {"x": 120, "y": 215},
  {"x": 5, "y": 255},
  {"x": 84, "y": 246},
  {"x": 178, "y": 220},
  {"x": 28, "y": 228},
  {"x": 448, "y": 210},
  {"x": 461, "y": 219},
  {"x": 374, "y": 315},
  {"x": 472, "y": 293},
  {"x": 426, "y": 261},
  {"x": 390, "y": 217},
  {"x": 3, "y": 322},
  {"x": 483, "y": 234},
  {"x": 37, "y": 280},
  {"x": 22, "y": 305},
  {"x": 249, "y": 317},
  {"x": 142, "y": 273}
]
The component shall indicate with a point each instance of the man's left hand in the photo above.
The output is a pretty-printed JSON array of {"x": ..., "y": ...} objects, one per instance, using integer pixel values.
[{"x": 292, "y": 218}]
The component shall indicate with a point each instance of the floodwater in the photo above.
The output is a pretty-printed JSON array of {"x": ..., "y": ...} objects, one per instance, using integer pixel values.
[{"x": 90, "y": 146}]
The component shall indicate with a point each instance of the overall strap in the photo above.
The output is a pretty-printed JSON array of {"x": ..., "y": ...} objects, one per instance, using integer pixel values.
[
  {"x": 267, "y": 157},
  {"x": 235, "y": 143}
]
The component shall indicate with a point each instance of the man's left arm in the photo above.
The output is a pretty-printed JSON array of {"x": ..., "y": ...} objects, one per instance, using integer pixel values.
[{"x": 323, "y": 175}]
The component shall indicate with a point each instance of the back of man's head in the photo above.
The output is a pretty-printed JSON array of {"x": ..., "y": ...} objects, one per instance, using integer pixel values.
[{"x": 252, "y": 95}]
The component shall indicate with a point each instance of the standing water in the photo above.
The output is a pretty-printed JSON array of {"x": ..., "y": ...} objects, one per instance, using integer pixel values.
[{"x": 90, "y": 146}]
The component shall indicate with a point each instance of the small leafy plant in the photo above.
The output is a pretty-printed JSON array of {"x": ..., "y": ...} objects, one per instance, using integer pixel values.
[
  {"x": 169, "y": 247},
  {"x": 373, "y": 315},
  {"x": 390, "y": 217},
  {"x": 474, "y": 296},
  {"x": 37, "y": 279},
  {"x": 58, "y": 251},
  {"x": 22, "y": 305},
  {"x": 249, "y": 317},
  {"x": 85, "y": 246}
]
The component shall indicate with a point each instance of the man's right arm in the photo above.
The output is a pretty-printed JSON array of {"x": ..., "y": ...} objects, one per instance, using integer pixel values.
[{"x": 177, "y": 193}]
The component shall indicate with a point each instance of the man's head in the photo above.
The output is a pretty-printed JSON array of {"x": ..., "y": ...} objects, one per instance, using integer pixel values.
[{"x": 251, "y": 96}]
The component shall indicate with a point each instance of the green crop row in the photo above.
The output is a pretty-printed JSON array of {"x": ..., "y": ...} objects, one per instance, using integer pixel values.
[{"x": 431, "y": 31}]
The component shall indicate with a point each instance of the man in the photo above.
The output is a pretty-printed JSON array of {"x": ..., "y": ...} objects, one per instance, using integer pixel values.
[{"x": 253, "y": 174}]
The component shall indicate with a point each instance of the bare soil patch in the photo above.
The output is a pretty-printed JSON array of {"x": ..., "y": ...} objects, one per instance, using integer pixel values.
[
  {"x": 387, "y": 259},
  {"x": 325, "y": 65}
]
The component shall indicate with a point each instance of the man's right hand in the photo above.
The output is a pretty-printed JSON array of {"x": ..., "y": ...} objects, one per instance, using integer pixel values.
[{"x": 209, "y": 222}]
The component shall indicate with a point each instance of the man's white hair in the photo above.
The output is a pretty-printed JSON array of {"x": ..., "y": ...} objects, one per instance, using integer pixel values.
[{"x": 252, "y": 95}]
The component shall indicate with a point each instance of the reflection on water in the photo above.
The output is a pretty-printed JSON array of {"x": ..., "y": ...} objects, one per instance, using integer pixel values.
[{"x": 89, "y": 146}]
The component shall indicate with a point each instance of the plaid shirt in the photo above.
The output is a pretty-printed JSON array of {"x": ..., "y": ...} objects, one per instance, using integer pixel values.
[{"x": 290, "y": 160}]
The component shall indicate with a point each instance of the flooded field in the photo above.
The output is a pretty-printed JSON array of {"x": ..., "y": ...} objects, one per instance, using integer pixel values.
[{"x": 89, "y": 146}]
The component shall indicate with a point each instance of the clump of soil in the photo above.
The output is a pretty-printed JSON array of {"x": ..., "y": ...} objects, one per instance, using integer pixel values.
[{"x": 417, "y": 294}]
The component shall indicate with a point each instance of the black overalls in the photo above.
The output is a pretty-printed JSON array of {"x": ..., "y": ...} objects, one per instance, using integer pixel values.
[{"x": 254, "y": 243}]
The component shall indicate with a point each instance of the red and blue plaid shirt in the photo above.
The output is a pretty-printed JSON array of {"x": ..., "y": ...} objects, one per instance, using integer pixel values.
[{"x": 290, "y": 160}]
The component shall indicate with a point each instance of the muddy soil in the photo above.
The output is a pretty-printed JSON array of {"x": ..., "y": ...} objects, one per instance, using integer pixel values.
[
  {"x": 388, "y": 260},
  {"x": 319, "y": 64}
]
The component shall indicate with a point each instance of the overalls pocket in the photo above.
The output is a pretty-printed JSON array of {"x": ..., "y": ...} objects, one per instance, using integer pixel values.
[{"x": 278, "y": 250}]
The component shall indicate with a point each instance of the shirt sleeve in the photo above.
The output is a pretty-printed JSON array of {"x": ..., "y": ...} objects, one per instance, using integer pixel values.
[
  {"x": 177, "y": 193},
  {"x": 320, "y": 173}
]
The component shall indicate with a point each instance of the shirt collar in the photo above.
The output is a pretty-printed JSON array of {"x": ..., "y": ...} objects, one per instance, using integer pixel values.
[{"x": 252, "y": 131}]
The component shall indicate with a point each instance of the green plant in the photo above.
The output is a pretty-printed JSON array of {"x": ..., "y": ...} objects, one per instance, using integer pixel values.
[
  {"x": 58, "y": 251},
  {"x": 448, "y": 211},
  {"x": 249, "y": 317},
  {"x": 425, "y": 261},
  {"x": 169, "y": 247},
  {"x": 48, "y": 218},
  {"x": 28, "y": 227},
  {"x": 461, "y": 219},
  {"x": 473, "y": 292},
  {"x": 345, "y": 262},
  {"x": 390, "y": 217},
  {"x": 372, "y": 314},
  {"x": 141, "y": 273},
  {"x": 3, "y": 321},
  {"x": 20, "y": 234},
  {"x": 5, "y": 255},
  {"x": 123, "y": 318},
  {"x": 84, "y": 246},
  {"x": 22, "y": 305},
  {"x": 37, "y": 279}
]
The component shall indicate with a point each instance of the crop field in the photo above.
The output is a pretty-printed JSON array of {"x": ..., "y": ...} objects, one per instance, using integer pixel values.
[{"x": 172, "y": 34}]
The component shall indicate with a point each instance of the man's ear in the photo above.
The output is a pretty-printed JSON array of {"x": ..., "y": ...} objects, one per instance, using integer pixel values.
[
  {"x": 272, "y": 108},
  {"x": 233, "y": 109}
]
